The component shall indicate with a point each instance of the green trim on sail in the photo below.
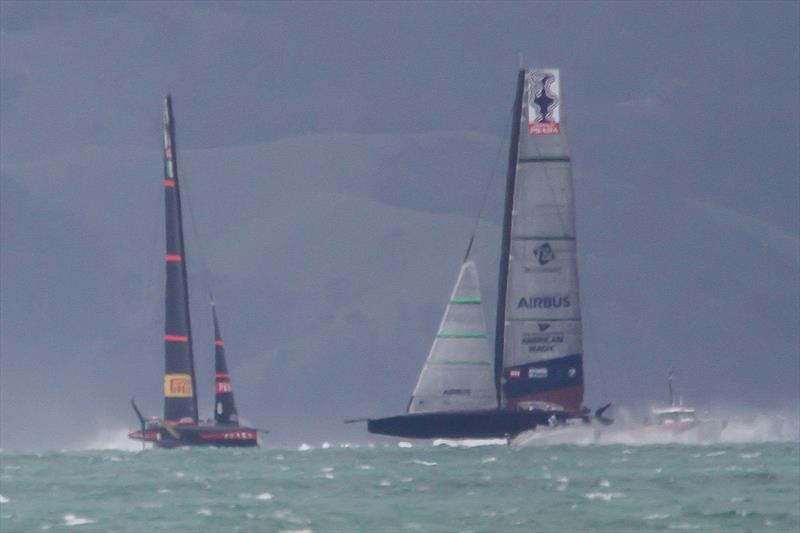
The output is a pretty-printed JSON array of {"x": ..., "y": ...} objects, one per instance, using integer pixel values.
[
  {"x": 542, "y": 238},
  {"x": 168, "y": 167},
  {"x": 459, "y": 362},
  {"x": 468, "y": 335},
  {"x": 545, "y": 159},
  {"x": 465, "y": 300}
]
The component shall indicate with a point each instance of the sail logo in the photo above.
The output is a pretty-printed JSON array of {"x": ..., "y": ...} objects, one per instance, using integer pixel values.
[
  {"x": 544, "y": 253},
  {"x": 543, "y": 302},
  {"x": 178, "y": 386},
  {"x": 544, "y": 109},
  {"x": 222, "y": 387},
  {"x": 537, "y": 373}
]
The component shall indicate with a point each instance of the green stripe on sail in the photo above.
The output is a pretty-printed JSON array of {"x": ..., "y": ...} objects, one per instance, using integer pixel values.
[
  {"x": 468, "y": 335},
  {"x": 168, "y": 164},
  {"x": 544, "y": 159},
  {"x": 542, "y": 238},
  {"x": 465, "y": 300},
  {"x": 460, "y": 362}
]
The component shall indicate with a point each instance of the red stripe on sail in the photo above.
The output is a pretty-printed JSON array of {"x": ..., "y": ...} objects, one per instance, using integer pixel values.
[
  {"x": 222, "y": 375},
  {"x": 169, "y": 183},
  {"x": 218, "y": 342},
  {"x": 173, "y": 258},
  {"x": 176, "y": 338}
]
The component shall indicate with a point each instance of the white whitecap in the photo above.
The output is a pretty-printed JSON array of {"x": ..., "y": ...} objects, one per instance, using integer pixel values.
[
  {"x": 716, "y": 454},
  {"x": 385, "y": 483},
  {"x": 656, "y": 516},
  {"x": 366, "y": 467},
  {"x": 304, "y": 447},
  {"x": 604, "y": 483},
  {"x": 750, "y": 455},
  {"x": 203, "y": 512},
  {"x": 488, "y": 460},
  {"x": 179, "y": 474},
  {"x": 164, "y": 491},
  {"x": 404, "y": 444},
  {"x": 327, "y": 469},
  {"x": 424, "y": 463},
  {"x": 683, "y": 526},
  {"x": 605, "y": 496},
  {"x": 329, "y": 476},
  {"x": 266, "y": 496},
  {"x": 73, "y": 520},
  {"x": 3, "y": 499},
  {"x": 326, "y": 445}
]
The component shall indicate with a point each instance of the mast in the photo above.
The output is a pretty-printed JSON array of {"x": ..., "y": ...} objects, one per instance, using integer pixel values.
[
  {"x": 180, "y": 386},
  {"x": 224, "y": 406},
  {"x": 511, "y": 176}
]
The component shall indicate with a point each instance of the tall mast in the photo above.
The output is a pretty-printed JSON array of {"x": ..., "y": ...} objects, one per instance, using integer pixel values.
[
  {"x": 180, "y": 385},
  {"x": 511, "y": 177}
]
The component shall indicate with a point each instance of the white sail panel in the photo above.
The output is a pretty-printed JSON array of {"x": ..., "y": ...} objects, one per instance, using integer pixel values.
[
  {"x": 542, "y": 347},
  {"x": 459, "y": 372}
]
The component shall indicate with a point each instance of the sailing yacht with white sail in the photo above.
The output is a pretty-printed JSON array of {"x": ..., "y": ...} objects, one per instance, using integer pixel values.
[{"x": 534, "y": 376}]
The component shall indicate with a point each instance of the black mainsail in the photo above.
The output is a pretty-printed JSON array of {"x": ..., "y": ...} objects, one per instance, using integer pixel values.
[
  {"x": 180, "y": 425},
  {"x": 180, "y": 384},
  {"x": 538, "y": 356}
]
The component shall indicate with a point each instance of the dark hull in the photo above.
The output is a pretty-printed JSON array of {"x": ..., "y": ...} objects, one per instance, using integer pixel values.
[
  {"x": 220, "y": 436},
  {"x": 492, "y": 423}
]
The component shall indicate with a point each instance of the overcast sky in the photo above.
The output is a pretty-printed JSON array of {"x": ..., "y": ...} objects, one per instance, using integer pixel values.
[{"x": 334, "y": 156}]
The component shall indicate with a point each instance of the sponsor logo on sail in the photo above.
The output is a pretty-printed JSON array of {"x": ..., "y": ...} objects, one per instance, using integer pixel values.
[
  {"x": 542, "y": 343},
  {"x": 537, "y": 373},
  {"x": 222, "y": 387},
  {"x": 544, "y": 253},
  {"x": 543, "y": 302},
  {"x": 544, "y": 102},
  {"x": 514, "y": 373},
  {"x": 543, "y": 327},
  {"x": 178, "y": 386},
  {"x": 457, "y": 392}
]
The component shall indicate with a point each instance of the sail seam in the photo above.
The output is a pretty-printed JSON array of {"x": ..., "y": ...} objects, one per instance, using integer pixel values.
[
  {"x": 545, "y": 159},
  {"x": 459, "y": 362},
  {"x": 543, "y": 238}
]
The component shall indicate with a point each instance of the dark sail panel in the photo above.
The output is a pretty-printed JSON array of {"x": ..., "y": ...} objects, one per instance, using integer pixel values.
[
  {"x": 180, "y": 400},
  {"x": 224, "y": 406}
]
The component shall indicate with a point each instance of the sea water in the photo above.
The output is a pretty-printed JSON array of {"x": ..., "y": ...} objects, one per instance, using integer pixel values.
[{"x": 402, "y": 486}]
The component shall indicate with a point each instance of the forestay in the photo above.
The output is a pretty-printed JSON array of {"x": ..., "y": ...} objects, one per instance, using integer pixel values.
[{"x": 459, "y": 372}]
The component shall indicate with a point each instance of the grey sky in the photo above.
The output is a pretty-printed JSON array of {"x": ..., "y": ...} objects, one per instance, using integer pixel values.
[{"x": 335, "y": 156}]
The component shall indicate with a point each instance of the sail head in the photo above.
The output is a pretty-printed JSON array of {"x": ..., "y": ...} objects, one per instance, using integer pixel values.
[
  {"x": 542, "y": 350},
  {"x": 180, "y": 400},
  {"x": 458, "y": 374},
  {"x": 224, "y": 404}
]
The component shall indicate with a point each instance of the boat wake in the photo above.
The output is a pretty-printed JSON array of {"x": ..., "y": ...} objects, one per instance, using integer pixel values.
[
  {"x": 755, "y": 428},
  {"x": 110, "y": 439}
]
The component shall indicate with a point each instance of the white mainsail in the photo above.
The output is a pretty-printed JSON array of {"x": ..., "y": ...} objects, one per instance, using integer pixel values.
[
  {"x": 542, "y": 348},
  {"x": 459, "y": 372}
]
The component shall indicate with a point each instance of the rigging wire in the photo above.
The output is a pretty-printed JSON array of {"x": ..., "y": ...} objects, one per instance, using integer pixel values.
[{"x": 487, "y": 188}]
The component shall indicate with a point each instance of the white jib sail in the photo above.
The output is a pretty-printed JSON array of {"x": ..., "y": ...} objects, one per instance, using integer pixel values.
[{"x": 459, "y": 372}]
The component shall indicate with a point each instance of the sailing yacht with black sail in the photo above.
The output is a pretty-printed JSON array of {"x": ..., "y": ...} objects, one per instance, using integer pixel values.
[
  {"x": 534, "y": 376},
  {"x": 180, "y": 425}
]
